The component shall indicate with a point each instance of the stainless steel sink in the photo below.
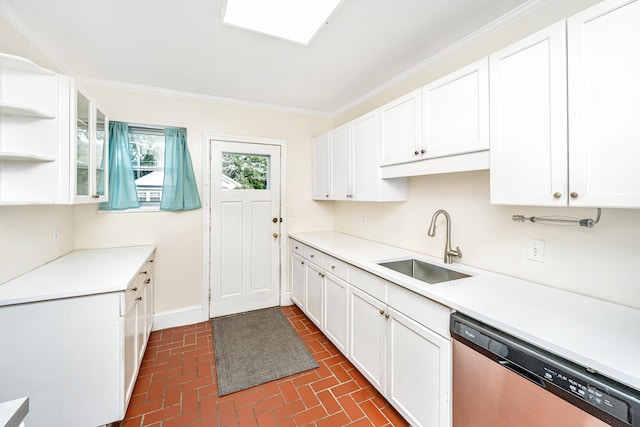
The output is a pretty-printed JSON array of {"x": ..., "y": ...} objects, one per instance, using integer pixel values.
[{"x": 423, "y": 271}]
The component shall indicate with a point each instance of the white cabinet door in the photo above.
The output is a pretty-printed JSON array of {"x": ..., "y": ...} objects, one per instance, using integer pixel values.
[
  {"x": 321, "y": 176},
  {"x": 130, "y": 351},
  {"x": 418, "y": 372},
  {"x": 528, "y": 120},
  {"x": 336, "y": 293},
  {"x": 340, "y": 165},
  {"x": 298, "y": 281},
  {"x": 400, "y": 130},
  {"x": 367, "y": 336},
  {"x": 366, "y": 169},
  {"x": 604, "y": 89},
  {"x": 455, "y": 112},
  {"x": 314, "y": 293}
]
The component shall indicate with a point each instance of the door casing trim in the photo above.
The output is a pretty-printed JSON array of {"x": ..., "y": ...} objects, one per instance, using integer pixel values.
[{"x": 208, "y": 139}]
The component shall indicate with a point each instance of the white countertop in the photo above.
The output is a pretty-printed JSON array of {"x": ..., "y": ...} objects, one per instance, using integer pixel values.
[
  {"x": 79, "y": 273},
  {"x": 593, "y": 333}
]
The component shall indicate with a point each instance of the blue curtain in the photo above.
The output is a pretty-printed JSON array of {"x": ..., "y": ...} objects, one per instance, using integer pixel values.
[
  {"x": 122, "y": 185},
  {"x": 179, "y": 190}
]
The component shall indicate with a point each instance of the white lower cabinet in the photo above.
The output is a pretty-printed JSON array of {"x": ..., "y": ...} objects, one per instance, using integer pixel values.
[
  {"x": 297, "y": 281},
  {"x": 336, "y": 311},
  {"x": 314, "y": 293},
  {"x": 397, "y": 339},
  {"x": 418, "y": 371},
  {"x": 367, "y": 336},
  {"x": 83, "y": 325}
]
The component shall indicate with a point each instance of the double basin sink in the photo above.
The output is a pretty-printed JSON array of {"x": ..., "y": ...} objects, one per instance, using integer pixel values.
[{"x": 423, "y": 271}]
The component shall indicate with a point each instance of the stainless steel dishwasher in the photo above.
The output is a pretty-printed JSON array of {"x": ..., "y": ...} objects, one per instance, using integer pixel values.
[{"x": 501, "y": 381}]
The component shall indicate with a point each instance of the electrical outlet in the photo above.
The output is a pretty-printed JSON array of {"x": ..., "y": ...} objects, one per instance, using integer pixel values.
[
  {"x": 535, "y": 250},
  {"x": 55, "y": 233},
  {"x": 364, "y": 221},
  {"x": 293, "y": 212}
]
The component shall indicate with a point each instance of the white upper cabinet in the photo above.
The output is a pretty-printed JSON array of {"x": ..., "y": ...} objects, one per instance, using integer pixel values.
[
  {"x": 321, "y": 174},
  {"x": 455, "y": 112},
  {"x": 581, "y": 149},
  {"x": 346, "y": 164},
  {"x": 604, "y": 105},
  {"x": 368, "y": 184},
  {"x": 401, "y": 130},
  {"x": 340, "y": 165},
  {"x": 528, "y": 105},
  {"x": 88, "y": 150}
]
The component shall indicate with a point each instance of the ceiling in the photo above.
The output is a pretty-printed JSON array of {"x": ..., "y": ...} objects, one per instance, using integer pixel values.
[{"x": 182, "y": 46}]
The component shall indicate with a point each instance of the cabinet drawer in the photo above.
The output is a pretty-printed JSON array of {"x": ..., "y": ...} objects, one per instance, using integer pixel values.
[
  {"x": 136, "y": 287},
  {"x": 335, "y": 266},
  {"x": 371, "y": 284},
  {"x": 428, "y": 313},
  {"x": 296, "y": 247},
  {"x": 313, "y": 255}
]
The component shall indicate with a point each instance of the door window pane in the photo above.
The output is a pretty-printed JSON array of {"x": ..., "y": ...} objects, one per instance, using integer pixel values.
[{"x": 245, "y": 172}]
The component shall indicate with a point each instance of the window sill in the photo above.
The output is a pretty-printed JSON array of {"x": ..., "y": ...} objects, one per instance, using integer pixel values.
[{"x": 143, "y": 209}]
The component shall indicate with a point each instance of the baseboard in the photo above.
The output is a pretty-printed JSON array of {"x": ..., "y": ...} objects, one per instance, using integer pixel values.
[{"x": 174, "y": 318}]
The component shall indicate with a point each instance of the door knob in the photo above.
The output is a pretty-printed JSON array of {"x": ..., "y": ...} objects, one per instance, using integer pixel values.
[
  {"x": 276, "y": 235},
  {"x": 274, "y": 220}
]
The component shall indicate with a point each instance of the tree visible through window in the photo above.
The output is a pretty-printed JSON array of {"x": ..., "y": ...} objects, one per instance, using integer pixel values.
[
  {"x": 243, "y": 172},
  {"x": 147, "y": 156}
]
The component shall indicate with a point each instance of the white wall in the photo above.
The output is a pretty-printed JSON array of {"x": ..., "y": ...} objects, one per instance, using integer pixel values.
[
  {"x": 603, "y": 262},
  {"x": 26, "y": 233},
  {"x": 179, "y": 235}
]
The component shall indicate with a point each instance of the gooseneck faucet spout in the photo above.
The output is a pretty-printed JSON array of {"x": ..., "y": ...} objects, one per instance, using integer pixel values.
[{"x": 448, "y": 252}]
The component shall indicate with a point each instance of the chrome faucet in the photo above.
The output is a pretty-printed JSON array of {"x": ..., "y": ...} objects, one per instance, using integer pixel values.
[{"x": 448, "y": 252}]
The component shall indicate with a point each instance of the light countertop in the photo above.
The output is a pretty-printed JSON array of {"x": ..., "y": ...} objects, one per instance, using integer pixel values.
[
  {"x": 79, "y": 273},
  {"x": 596, "y": 334},
  {"x": 13, "y": 412}
]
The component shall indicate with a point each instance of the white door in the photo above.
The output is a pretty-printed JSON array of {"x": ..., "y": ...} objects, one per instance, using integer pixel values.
[{"x": 245, "y": 227}]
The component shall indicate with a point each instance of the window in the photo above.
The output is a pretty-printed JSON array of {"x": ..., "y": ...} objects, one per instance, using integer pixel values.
[
  {"x": 147, "y": 155},
  {"x": 245, "y": 172}
]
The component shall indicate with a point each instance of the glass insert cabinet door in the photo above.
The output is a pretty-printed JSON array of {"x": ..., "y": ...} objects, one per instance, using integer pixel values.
[
  {"x": 91, "y": 147},
  {"x": 83, "y": 145}
]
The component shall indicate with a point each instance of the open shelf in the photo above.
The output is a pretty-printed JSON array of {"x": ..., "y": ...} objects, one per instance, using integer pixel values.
[
  {"x": 22, "y": 64},
  {"x": 25, "y": 157},
  {"x": 21, "y": 110}
]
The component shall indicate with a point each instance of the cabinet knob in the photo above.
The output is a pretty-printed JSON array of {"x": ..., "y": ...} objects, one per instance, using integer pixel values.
[
  {"x": 326, "y": 196},
  {"x": 146, "y": 282},
  {"x": 302, "y": 263},
  {"x": 573, "y": 195},
  {"x": 423, "y": 151},
  {"x": 381, "y": 311},
  {"x": 139, "y": 298},
  {"x": 416, "y": 152},
  {"x": 275, "y": 235},
  {"x": 557, "y": 195},
  {"x": 143, "y": 272},
  {"x": 311, "y": 255},
  {"x": 333, "y": 267},
  {"x": 386, "y": 315},
  {"x": 134, "y": 289}
]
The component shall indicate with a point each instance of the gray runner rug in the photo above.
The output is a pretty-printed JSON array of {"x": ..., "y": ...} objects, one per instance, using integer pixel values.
[{"x": 256, "y": 347}]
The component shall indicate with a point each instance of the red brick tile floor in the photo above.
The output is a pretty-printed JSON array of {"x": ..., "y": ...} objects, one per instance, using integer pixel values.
[{"x": 176, "y": 387}]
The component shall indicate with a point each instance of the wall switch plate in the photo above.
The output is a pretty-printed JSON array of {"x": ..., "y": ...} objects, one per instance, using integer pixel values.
[
  {"x": 55, "y": 233},
  {"x": 535, "y": 250}
]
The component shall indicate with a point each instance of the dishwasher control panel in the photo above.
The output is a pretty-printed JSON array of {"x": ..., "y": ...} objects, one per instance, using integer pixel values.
[{"x": 589, "y": 393}]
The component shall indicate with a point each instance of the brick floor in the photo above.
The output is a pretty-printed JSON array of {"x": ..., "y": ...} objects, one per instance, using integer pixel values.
[{"x": 177, "y": 387}]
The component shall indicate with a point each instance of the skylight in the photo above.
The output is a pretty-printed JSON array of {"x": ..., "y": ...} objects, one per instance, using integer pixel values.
[{"x": 296, "y": 20}]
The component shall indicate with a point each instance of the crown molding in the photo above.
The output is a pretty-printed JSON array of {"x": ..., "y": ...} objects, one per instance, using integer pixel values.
[
  {"x": 7, "y": 13},
  {"x": 132, "y": 87},
  {"x": 494, "y": 26}
]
